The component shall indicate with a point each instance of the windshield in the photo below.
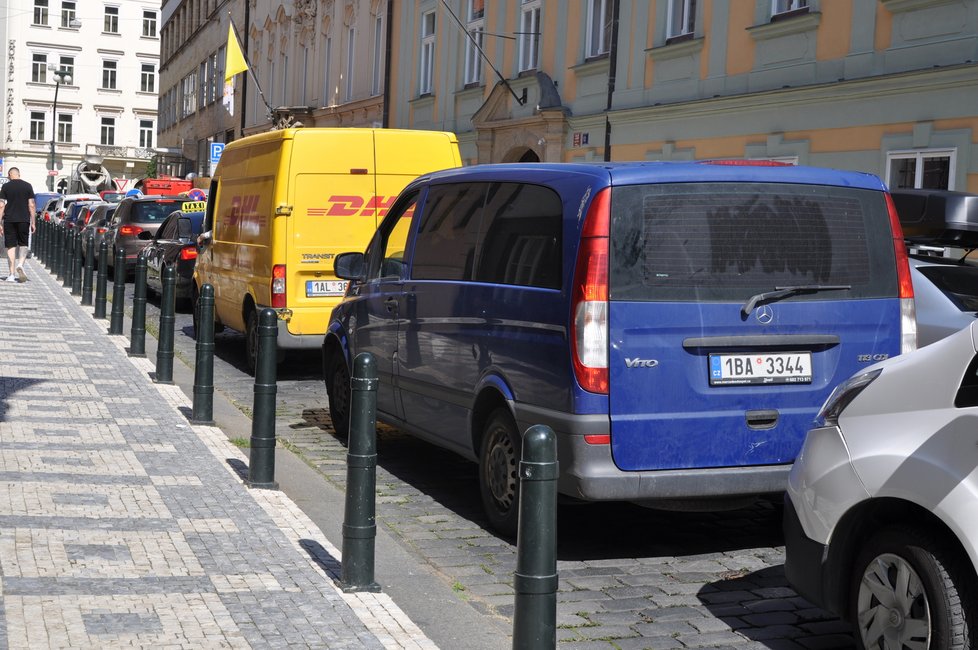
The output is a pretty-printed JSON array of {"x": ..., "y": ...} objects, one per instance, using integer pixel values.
[{"x": 153, "y": 211}]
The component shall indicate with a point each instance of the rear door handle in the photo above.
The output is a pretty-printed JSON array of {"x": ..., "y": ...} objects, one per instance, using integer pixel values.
[{"x": 391, "y": 304}]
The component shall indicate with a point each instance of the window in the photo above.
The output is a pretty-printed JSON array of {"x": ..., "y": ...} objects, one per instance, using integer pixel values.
[
  {"x": 64, "y": 127},
  {"x": 203, "y": 84},
  {"x": 598, "y": 27},
  {"x": 445, "y": 244},
  {"x": 149, "y": 24},
  {"x": 189, "y": 88},
  {"x": 303, "y": 90},
  {"x": 785, "y": 6},
  {"x": 146, "y": 131},
  {"x": 111, "y": 24},
  {"x": 285, "y": 79},
  {"x": 350, "y": 60},
  {"x": 327, "y": 90},
  {"x": 529, "y": 36},
  {"x": 107, "y": 135},
  {"x": 476, "y": 29},
  {"x": 147, "y": 78},
  {"x": 40, "y": 12},
  {"x": 427, "y": 72},
  {"x": 385, "y": 255},
  {"x": 37, "y": 125},
  {"x": 378, "y": 56},
  {"x": 931, "y": 169},
  {"x": 67, "y": 12},
  {"x": 67, "y": 65},
  {"x": 681, "y": 19},
  {"x": 109, "y": 74},
  {"x": 39, "y": 68},
  {"x": 520, "y": 236}
]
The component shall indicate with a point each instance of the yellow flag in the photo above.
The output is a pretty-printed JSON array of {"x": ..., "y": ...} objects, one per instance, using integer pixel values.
[{"x": 234, "y": 61}]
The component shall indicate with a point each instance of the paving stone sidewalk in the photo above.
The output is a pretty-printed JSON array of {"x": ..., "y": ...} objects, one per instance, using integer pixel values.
[{"x": 122, "y": 525}]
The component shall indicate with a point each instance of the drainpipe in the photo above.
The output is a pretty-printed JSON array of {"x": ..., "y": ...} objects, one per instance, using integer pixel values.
[
  {"x": 244, "y": 78},
  {"x": 385, "y": 120},
  {"x": 612, "y": 69}
]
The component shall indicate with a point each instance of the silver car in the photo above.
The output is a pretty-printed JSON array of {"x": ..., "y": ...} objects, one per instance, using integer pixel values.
[
  {"x": 881, "y": 512},
  {"x": 945, "y": 294}
]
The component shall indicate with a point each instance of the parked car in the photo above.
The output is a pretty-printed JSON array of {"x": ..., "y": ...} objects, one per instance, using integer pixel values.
[
  {"x": 56, "y": 207},
  {"x": 880, "y": 524},
  {"x": 41, "y": 200},
  {"x": 77, "y": 213},
  {"x": 946, "y": 296},
  {"x": 112, "y": 196},
  {"x": 95, "y": 228},
  {"x": 676, "y": 324},
  {"x": 134, "y": 222},
  {"x": 175, "y": 244}
]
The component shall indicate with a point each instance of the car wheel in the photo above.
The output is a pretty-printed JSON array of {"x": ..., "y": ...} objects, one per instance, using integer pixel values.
[
  {"x": 338, "y": 393},
  {"x": 499, "y": 461},
  {"x": 908, "y": 591}
]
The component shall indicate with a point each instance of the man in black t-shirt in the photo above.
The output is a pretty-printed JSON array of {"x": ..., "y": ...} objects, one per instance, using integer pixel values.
[{"x": 17, "y": 222}]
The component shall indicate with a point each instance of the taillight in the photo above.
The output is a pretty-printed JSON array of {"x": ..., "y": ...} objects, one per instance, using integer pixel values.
[
  {"x": 47, "y": 217},
  {"x": 188, "y": 253},
  {"x": 101, "y": 231},
  {"x": 278, "y": 286},
  {"x": 130, "y": 231},
  {"x": 597, "y": 438},
  {"x": 908, "y": 312},
  {"x": 589, "y": 298}
]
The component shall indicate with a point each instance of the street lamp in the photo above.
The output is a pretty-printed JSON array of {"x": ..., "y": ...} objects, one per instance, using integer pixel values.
[{"x": 60, "y": 77}]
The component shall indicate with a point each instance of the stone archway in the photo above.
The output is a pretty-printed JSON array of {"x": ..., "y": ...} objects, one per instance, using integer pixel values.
[{"x": 521, "y": 154}]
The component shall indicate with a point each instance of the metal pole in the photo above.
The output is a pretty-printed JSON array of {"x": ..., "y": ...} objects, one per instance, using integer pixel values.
[
  {"x": 203, "y": 412},
  {"x": 535, "y": 580},
  {"x": 69, "y": 269},
  {"x": 89, "y": 270},
  {"x": 261, "y": 473},
  {"x": 76, "y": 271},
  {"x": 359, "y": 522},
  {"x": 101, "y": 280},
  {"x": 137, "y": 336},
  {"x": 54, "y": 131},
  {"x": 164, "y": 347},
  {"x": 118, "y": 292},
  {"x": 59, "y": 252}
]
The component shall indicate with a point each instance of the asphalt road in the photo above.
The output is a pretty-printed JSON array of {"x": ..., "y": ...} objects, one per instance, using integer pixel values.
[{"x": 630, "y": 577}]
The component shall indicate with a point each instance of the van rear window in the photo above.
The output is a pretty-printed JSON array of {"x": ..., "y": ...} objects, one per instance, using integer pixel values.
[
  {"x": 153, "y": 212},
  {"x": 728, "y": 241}
]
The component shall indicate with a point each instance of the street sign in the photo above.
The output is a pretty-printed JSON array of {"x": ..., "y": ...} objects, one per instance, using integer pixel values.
[
  {"x": 217, "y": 148},
  {"x": 53, "y": 172}
]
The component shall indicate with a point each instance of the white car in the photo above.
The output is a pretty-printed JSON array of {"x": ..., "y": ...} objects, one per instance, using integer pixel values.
[{"x": 881, "y": 513}]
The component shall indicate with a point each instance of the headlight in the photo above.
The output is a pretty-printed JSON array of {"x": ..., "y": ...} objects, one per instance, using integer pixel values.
[{"x": 841, "y": 397}]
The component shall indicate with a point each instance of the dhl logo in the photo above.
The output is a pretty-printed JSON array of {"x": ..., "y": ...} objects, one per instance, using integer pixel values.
[
  {"x": 341, "y": 205},
  {"x": 244, "y": 208}
]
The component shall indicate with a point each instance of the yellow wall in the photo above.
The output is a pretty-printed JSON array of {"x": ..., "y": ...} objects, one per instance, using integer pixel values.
[
  {"x": 834, "y": 31},
  {"x": 740, "y": 48}
]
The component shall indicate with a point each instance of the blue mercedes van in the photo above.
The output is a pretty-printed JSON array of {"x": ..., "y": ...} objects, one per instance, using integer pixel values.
[{"x": 678, "y": 325}]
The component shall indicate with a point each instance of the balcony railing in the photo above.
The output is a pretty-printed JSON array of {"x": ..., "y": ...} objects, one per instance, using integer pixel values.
[{"x": 110, "y": 151}]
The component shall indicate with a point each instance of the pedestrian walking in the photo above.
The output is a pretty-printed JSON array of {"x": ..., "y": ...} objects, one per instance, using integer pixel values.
[{"x": 17, "y": 222}]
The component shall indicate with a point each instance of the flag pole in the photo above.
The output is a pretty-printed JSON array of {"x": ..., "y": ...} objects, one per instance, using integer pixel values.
[{"x": 248, "y": 65}]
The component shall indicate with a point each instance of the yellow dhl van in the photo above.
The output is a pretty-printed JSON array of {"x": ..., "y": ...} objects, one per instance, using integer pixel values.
[{"x": 282, "y": 204}]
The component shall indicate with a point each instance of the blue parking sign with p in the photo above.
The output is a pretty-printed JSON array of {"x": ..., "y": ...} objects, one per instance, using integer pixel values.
[{"x": 217, "y": 148}]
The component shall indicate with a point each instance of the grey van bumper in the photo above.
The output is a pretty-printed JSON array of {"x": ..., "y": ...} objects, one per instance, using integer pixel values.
[
  {"x": 289, "y": 341},
  {"x": 588, "y": 472}
]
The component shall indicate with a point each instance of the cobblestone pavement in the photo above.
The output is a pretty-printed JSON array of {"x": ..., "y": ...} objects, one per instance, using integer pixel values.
[
  {"x": 121, "y": 525},
  {"x": 630, "y": 577}
]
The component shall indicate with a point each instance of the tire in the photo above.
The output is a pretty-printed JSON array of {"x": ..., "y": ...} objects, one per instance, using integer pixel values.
[
  {"x": 499, "y": 462},
  {"x": 337, "y": 378},
  {"x": 924, "y": 582}
]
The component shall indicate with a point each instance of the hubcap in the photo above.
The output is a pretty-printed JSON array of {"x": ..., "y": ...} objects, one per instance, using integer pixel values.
[
  {"x": 501, "y": 468},
  {"x": 893, "y": 610}
]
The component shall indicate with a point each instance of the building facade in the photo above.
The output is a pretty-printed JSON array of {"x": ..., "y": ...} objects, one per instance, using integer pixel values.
[
  {"x": 312, "y": 62},
  {"x": 80, "y": 87},
  {"x": 883, "y": 86}
]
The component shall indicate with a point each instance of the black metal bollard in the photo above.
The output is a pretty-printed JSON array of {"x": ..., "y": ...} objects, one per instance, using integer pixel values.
[
  {"x": 118, "y": 292},
  {"x": 261, "y": 472},
  {"x": 46, "y": 247},
  {"x": 203, "y": 412},
  {"x": 77, "y": 268},
  {"x": 39, "y": 240},
  {"x": 59, "y": 252},
  {"x": 535, "y": 580},
  {"x": 89, "y": 271},
  {"x": 359, "y": 521},
  {"x": 164, "y": 347},
  {"x": 101, "y": 280},
  {"x": 137, "y": 334},
  {"x": 69, "y": 269}
]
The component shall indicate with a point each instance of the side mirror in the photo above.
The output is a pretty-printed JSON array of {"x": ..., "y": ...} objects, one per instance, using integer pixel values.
[
  {"x": 350, "y": 266},
  {"x": 185, "y": 229}
]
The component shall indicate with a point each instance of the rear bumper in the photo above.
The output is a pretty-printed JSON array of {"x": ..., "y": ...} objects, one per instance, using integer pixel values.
[
  {"x": 588, "y": 472},
  {"x": 804, "y": 558},
  {"x": 286, "y": 340}
]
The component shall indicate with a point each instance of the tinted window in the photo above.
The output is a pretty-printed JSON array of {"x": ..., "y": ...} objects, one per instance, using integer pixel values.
[
  {"x": 728, "y": 241},
  {"x": 521, "y": 236},
  {"x": 169, "y": 228},
  {"x": 152, "y": 212},
  {"x": 958, "y": 283},
  {"x": 445, "y": 245},
  {"x": 385, "y": 254}
]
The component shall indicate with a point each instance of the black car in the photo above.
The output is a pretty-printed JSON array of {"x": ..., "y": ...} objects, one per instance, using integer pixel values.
[
  {"x": 174, "y": 244},
  {"x": 95, "y": 226}
]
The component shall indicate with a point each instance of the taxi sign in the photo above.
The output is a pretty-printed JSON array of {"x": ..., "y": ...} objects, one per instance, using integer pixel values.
[{"x": 194, "y": 206}]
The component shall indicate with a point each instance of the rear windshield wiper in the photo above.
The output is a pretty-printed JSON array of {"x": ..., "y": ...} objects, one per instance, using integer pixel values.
[{"x": 782, "y": 292}]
